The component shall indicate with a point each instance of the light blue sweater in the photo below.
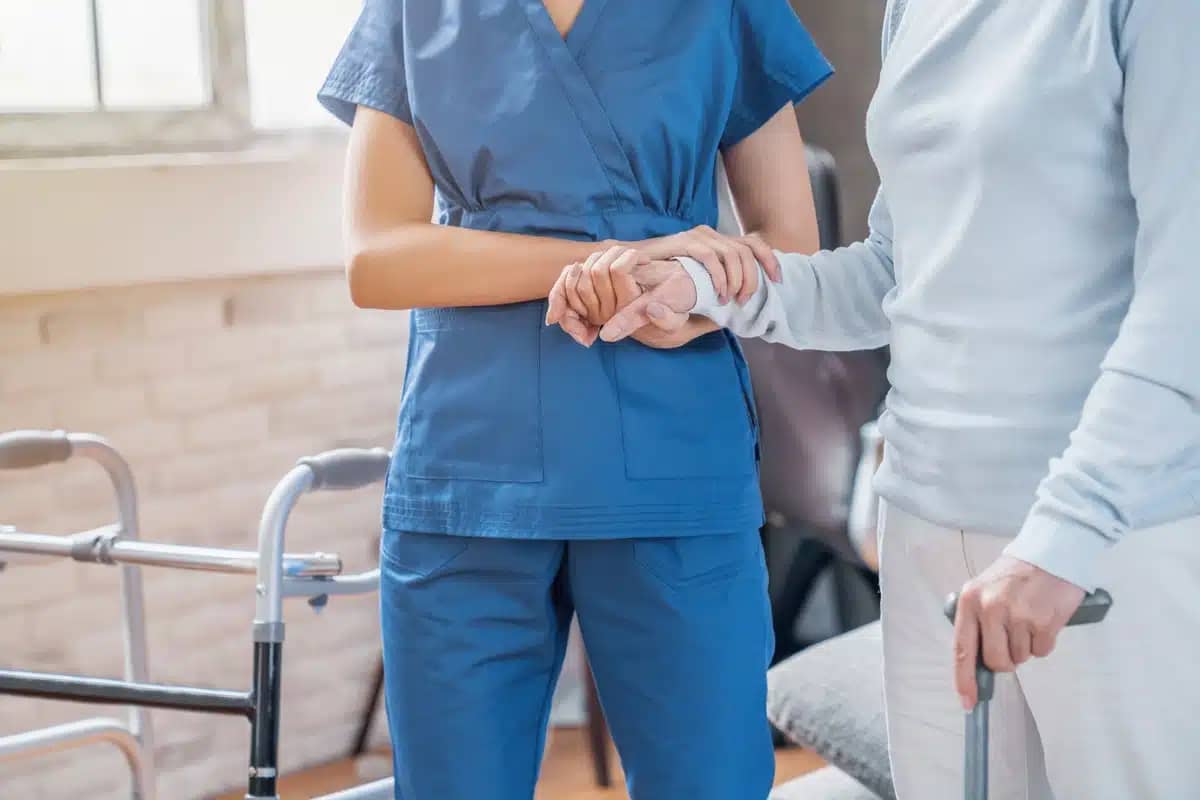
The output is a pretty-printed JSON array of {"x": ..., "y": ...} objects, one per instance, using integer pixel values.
[{"x": 1033, "y": 263}]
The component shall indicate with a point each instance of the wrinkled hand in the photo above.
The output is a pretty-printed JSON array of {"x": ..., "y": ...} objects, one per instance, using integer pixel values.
[
  {"x": 731, "y": 261},
  {"x": 1012, "y": 610},
  {"x": 665, "y": 303},
  {"x": 586, "y": 296}
]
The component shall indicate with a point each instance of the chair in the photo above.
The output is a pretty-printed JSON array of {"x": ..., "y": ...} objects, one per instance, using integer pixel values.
[
  {"x": 811, "y": 407},
  {"x": 829, "y": 699}
]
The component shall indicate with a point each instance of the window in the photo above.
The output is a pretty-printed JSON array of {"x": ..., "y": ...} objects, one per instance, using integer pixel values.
[{"x": 88, "y": 76}]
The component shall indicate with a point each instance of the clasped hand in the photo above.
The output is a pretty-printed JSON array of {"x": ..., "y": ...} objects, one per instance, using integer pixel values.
[{"x": 635, "y": 291}]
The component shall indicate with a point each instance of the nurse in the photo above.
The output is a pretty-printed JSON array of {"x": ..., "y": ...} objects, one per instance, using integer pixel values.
[{"x": 534, "y": 133}]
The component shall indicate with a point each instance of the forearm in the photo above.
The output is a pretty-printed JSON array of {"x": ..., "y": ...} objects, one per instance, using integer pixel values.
[
  {"x": 828, "y": 301},
  {"x": 791, "y": 238},
  {"x": 832, "y": 300},
  {"x": 1141, "y": 424},
  {"x": 422, "y": 265},
  {"x": 1137, "y": 426}
]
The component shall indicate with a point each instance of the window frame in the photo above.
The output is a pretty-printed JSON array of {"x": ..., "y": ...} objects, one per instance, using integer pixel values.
[{"x": 224, "y": 123}]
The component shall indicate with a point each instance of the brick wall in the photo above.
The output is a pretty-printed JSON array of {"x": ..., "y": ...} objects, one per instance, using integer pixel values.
[{"x": 212, "y": 390}]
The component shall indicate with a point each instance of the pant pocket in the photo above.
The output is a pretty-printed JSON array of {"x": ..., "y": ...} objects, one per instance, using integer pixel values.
[
  {"x": 471, "y": 408},
  {"x": 685, "y": 412},
  {"x": 698, "y": 560},
  {"x": 420, "y": 555}
]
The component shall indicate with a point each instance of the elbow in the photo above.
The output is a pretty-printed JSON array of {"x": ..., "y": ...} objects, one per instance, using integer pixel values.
[
  {"x": 365, "y": 279},
  {"x": 358, "y": 280},
  {"x": 804, "y": 239}
]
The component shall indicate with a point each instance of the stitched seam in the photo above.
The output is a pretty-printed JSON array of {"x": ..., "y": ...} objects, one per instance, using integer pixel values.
[
  {"x": 392, "y": 561},
  {"x": 617, "y": 138},
  {"x": 571, "y": 104},
  {"x": 355, "y": 82},
  {"x": 781, "y": 76},
  {"x": 962, "y": 538},
  {"x": 555, "y": 665},
  {"x": 594, "y": 23}
]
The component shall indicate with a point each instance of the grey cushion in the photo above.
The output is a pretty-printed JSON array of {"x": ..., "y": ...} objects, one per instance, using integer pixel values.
[
  {"x": 829, "y": 698},
  {"x": 827, "y": 783}
]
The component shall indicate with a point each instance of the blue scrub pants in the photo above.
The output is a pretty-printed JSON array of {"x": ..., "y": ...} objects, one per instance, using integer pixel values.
[{"x": 678, "y": 632}]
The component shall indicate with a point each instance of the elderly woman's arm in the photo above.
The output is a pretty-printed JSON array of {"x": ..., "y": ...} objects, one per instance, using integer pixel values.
[
  {"x": 1143, "y": 414},
  {"x": 832, "y": 300}
]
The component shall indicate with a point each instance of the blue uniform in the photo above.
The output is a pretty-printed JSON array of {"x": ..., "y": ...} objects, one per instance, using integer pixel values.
[{"x": 508, "y": 430}]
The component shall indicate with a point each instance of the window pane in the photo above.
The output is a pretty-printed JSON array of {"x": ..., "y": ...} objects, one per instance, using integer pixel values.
[
  {"x": 151, "y": 53},
  {"x": 46, "y": 56},
  {"x": 290, "y": 46}
]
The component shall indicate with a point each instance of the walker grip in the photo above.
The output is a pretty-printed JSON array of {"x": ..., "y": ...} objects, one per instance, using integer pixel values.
[
  {"x": 348, "y": 468},
  {"x": 26, "y": 449}
]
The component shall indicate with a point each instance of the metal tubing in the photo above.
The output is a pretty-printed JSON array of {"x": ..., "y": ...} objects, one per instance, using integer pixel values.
[
  {"x": 268, "y": 632},
  {"x": 271, "y": 527},
  {"x": 97, "y": 730},
  {"x": 132, "y": 597},
  {"x": 154, "y": 554},
  {"x": 975, "y": 766},
  {"x": 221, "y": 560},
  {"x": 108, "y": 691},
  {"x": 360, "y": 583},
  {"x": 264, "y": 724}
]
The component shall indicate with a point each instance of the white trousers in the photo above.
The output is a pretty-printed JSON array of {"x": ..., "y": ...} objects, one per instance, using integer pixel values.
[{"x": 1112, "y": 714}]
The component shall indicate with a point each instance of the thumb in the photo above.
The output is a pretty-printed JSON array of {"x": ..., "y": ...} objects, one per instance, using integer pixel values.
[
  {"x": 626, "y": 321},
  {"x": 663, "y": 318}
]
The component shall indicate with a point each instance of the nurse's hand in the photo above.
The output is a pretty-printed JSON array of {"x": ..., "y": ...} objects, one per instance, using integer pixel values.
[
  {"x": 732, "y": 261},
  {"x": 587, "y": 295},
  {"x": 589, "y": 289}
]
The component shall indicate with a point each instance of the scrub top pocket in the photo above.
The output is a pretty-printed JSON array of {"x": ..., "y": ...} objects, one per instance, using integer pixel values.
[
  {"x": 472, "y": 406},
  {"x": 685, "y": 412}
]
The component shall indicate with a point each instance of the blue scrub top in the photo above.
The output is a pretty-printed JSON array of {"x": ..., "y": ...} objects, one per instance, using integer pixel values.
[{"x": 509, "y": 428}]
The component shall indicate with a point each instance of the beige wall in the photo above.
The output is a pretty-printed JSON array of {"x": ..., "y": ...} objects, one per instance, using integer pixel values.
[
  {"x": 848, "y": 31},
  {"x": 212, "y": 389}
]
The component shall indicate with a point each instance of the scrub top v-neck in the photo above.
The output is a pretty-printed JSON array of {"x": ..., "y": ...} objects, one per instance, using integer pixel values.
[{"x": 509, "y": 428}]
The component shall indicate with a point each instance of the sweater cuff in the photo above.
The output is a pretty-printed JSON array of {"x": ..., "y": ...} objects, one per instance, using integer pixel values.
[
  {"x": 1065, "y": 548},
  {"x": 706, "y": 296}
]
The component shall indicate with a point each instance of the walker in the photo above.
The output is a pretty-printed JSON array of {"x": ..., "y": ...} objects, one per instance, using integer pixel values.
[{"x": 316, "y": 576}]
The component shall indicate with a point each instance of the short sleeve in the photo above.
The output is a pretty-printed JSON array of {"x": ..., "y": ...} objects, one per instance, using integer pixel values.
[
  {"x": 369, "y": 70},
  {"x": 777, "y": 62}
]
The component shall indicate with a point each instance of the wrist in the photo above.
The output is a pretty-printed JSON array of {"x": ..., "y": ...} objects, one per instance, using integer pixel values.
[{"x": 704, "y": 299}]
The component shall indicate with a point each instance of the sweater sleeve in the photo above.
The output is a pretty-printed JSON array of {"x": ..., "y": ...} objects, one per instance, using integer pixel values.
[
  {"x": 1143, "y": 414},
  {"x": 834, "y": 300}
]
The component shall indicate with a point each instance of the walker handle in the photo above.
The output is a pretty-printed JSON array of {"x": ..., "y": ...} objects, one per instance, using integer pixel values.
[
  {"x": 26, "y": 449},
  {"x": 348, "y": 468}
]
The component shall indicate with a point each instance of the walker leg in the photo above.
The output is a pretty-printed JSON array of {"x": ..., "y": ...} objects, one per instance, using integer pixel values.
[{"x": 264, "y": 725}]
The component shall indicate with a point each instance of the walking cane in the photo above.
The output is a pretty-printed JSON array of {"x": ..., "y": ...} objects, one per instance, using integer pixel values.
[{"x": 975, "y": 764}]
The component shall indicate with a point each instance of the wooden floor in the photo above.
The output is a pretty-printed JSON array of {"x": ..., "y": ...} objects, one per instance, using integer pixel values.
[{"x": 566, "y": 773}]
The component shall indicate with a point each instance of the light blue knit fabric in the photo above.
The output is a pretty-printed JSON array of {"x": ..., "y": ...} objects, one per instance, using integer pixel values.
[{"x": 1033, "y": 264}]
